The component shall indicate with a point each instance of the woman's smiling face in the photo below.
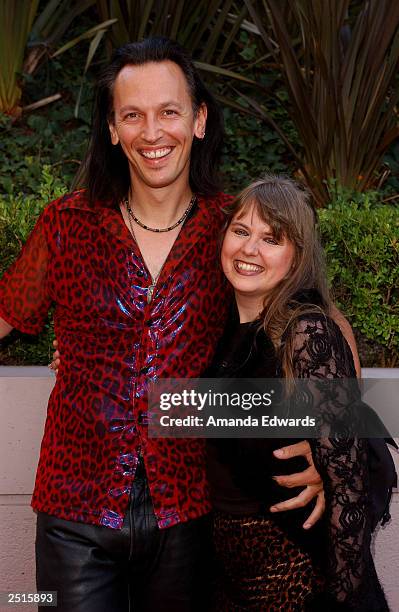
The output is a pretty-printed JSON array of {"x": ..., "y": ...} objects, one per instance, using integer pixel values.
[{"x": 253, "y": 260}]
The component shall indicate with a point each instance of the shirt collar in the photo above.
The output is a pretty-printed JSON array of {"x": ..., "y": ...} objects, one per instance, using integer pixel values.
[{"x": 202, "y": 222}]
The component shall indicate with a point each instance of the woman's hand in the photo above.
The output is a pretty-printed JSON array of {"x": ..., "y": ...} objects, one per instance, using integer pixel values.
[
  {"x": 309, "y": 478},
  {"x": 55, "y": 364}
]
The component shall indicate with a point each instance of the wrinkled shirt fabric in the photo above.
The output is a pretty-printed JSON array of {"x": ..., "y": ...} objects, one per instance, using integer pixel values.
[{"x": 83, "y": 260}]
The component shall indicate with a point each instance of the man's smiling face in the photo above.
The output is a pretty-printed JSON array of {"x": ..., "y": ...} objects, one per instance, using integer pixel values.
[{"x": 154, "y": 123}]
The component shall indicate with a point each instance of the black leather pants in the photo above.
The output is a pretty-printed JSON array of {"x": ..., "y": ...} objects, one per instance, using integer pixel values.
[{"x": 139, "y": 568}]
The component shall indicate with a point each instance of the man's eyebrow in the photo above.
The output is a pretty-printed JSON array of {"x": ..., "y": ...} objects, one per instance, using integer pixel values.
[
  {"x": 171, "y": 103},
  {"x": 130, "y": 107}
]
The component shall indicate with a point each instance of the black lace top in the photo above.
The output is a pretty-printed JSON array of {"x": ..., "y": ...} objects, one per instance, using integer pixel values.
[{"x": 341, "y": 542}]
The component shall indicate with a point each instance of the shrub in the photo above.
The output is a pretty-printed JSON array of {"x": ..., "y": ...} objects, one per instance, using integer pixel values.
[
  {"x": 250, "y": 150},
  {"x": 361, "y": 240},
  {"x": 18, "y": 215},
  {"x": 360, "y": 236}
]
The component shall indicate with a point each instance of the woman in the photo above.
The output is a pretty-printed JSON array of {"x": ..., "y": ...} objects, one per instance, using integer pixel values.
[{"x": 272, "y": 257}]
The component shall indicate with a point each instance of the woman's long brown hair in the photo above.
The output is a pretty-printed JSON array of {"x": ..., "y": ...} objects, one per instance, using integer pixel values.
[{"x": 285, "y": 206}]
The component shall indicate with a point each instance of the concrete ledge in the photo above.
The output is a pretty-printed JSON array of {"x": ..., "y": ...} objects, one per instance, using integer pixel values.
[
  {"x": 44, "y": 371},
  {"x": 26, "y": 372},
  {"x": 380, "y": 373}
]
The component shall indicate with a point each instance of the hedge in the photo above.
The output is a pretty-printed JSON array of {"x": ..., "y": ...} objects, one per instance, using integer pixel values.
[{"x": 361, "y": 240}]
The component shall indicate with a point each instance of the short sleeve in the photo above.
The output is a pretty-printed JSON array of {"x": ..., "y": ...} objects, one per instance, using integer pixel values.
[{"x": 24, "y": 297}]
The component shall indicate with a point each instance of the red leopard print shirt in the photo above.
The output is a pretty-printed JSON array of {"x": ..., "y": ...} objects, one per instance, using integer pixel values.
[{"x": 113, "y": 343}]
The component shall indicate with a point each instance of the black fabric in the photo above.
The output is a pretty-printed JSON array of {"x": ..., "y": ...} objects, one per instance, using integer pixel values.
[
  {"x": 342, "y": 542},
  {"x": 241, "y": 471},
  {"x": 139, "y": 568}
]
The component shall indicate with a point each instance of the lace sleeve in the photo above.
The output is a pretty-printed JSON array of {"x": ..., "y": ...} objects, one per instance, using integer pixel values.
[{"x": 321, "y": 352}]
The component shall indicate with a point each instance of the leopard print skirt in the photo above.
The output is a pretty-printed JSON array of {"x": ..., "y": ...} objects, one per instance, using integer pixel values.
[{"x": 259, "y": 568}]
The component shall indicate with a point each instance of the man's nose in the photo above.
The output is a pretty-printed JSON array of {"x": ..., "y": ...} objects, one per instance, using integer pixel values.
[{"x": 151, "y": 129}]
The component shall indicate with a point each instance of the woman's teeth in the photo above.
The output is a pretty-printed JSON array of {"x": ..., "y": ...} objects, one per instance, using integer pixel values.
[{"x": 248, "y": 267}]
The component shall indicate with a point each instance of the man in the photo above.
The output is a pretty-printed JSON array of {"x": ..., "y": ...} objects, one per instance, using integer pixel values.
[{"x": 132, "y": 267}]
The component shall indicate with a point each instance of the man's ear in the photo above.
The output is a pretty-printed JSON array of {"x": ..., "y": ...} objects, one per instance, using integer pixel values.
[
  {"x": 200, "y": 121},
  {"x": 113, "y": 133}
]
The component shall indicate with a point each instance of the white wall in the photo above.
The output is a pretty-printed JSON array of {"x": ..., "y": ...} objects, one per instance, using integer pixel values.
[{"x": 23, "y": 399}]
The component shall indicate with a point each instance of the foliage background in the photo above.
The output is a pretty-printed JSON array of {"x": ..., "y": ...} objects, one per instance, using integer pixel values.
[{"x": 41, "y": 150}]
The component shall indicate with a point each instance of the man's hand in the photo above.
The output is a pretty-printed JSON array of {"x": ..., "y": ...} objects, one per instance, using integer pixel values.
[
  {"x": 309, "y": 478},
  {"x": 55, "y": 364}
]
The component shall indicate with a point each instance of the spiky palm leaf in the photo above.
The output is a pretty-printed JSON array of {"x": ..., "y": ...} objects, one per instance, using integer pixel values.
[
  {"x": 16, "y": 18},
  {"x": 340, "y": 83}
]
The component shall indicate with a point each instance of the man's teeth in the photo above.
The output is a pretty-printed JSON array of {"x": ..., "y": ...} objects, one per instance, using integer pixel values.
[
  {"x": 157, "y": 153},
  {"x": 248, "y": 267}
]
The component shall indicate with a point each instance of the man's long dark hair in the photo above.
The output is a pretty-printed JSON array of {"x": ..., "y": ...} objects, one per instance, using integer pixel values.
[{"x": 105, "y": 170}]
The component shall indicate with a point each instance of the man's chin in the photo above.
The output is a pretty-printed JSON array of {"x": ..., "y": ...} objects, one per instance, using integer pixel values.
[{"x": 158, "y": 181}]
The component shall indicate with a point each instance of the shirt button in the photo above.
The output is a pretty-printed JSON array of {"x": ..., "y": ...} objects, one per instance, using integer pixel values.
[
  {"x": 140, "y": 274},
  {"x": 118, "y": 492},
  {"x": 127, "y": 459},
  {"x": 115, "y": 426},
  {"x": 111, "y": 519},
  {"x": 143, "y": 419}
]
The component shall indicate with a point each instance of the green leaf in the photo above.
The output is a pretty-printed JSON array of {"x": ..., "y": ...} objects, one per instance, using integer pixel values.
[{"x": 92, "y": 32}]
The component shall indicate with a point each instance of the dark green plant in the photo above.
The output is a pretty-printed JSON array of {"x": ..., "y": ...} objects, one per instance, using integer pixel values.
[
  {"x": 340, "y": 70},
  {"x": 361, "y": 239},
  {"x": 206, "y": 27},
  {"x": 30, "y": 32},
  {"x": 18, "y": 215},
  {"x": 251, "y": 148},
  {"x": 55, "y": 139},
  {"x": 16, "y": 19},
  {"x": 391, "y": 162}
]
